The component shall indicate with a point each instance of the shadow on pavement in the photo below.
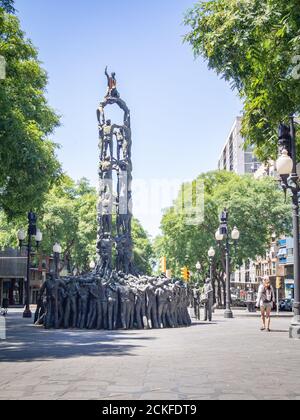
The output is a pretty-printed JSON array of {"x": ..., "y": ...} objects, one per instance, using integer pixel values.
[
  {"x": 197, "y": 323},
  {"x": 26, "y": 342},
  {"x": 280, "y": 331}
]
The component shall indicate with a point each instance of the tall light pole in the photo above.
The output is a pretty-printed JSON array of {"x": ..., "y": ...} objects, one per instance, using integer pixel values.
[
  {"x": 223, "y": 234},
  {"x": 35, "y": 233},
  {"x": 287, "y": 169},
  {"x": 57, "y": 250}
]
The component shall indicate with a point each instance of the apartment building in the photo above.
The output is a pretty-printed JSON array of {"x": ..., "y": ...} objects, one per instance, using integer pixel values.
[{"x": 235, "y": 157}]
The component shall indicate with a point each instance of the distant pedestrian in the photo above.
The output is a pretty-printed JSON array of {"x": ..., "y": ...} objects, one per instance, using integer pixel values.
[
  {"x": 266, "y": 301},
  {"x": 208, "y": 300},
  {"x": 5, "y": 303}
]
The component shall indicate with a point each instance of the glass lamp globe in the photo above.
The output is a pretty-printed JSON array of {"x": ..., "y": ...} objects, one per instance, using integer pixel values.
[
  {"x": 39, "y": 236},
  {"x": 57, "y": 249},
  {"x": 219, "y": 237},
  {"x": 92, "y": 265},
  {"x": 21, "y": 235},
  {"x": 284, "y": 164},
  {"x": 211, "y": 252},
  {"x": 235, "y": 234}
]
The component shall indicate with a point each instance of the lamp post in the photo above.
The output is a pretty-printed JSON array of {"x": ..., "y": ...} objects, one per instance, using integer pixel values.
[
  {"x": 221, "y": 234},
  {"x": 287, "y": 169},
  {"x": 211, "y": 256},
  {"x": 57, "y": 250},
  {"x": 35, "y": 233}
]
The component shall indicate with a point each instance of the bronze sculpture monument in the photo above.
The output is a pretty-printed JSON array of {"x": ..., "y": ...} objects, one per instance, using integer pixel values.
[{"x": 114, "y": 295}]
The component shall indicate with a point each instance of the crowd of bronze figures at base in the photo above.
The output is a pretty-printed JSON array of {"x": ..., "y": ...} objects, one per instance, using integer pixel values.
[{"x": 118, "y": 302}]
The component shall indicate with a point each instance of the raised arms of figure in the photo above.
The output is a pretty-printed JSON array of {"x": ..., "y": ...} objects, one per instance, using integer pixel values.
[{"x": 107, "y": 75}]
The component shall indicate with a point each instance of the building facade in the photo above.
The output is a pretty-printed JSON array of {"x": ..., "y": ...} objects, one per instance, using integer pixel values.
[
  {"x": 285, "y": 245},
  {"x": 286, "y": 262},
  {"x": 235, "y": 157},
  {"x": 13, "y": 273}
]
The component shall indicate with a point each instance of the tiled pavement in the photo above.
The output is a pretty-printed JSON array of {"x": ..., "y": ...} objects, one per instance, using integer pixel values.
[{"x": 228, "y": 359}]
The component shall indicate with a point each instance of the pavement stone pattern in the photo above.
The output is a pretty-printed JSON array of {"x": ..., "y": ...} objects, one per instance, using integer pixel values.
[{"x": 222, "y": 360}]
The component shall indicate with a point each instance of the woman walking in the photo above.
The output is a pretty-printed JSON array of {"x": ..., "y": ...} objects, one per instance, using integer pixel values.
[{"x": 266, "y": 301}]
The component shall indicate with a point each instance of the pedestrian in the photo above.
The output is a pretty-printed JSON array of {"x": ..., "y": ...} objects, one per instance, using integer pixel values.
[
  {"x": 266, "y": 301},
  {"x": 5, "y": 303},
  {"x": 208, "y": 300}
]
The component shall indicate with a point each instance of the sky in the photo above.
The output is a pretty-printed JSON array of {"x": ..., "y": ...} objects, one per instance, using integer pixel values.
[{"x": 181, "y": 111}]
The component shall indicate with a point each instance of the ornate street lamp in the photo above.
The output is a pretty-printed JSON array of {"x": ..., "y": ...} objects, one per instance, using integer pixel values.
[
  {"x": 287, "y": 169},
  {"x": 35, "y": 233},
  {"x": 57, "y": 250},
  {"x": 221, "y": 234}
]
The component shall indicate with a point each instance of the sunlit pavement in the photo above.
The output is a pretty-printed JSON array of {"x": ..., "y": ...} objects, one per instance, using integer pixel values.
[{"x": 227, "y": 359}]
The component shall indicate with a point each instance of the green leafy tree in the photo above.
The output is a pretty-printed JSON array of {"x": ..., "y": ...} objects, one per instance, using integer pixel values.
[
  {"x": 8, "y": 6},
  {"x": 256, "y": 207},
  {"x": 255, "y": 46},
  {"x": 143, "y": 250},
  {"x": 68, "y": 217},
  {"x": 28, "y": 164}
]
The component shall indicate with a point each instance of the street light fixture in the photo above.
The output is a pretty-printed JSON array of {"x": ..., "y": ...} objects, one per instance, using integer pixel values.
[
  {"x": 21, "y": 236},
  {"x": 284, "y": 164},
  {"x": 211, "y": 256},
  {"x": 198, "y": 268},
  {"x": 221, "y": 234},
  {"x": 92, "y": 265},
  {"x": 218, "y": 236},
  {"x": 33, "y": 232},
  {"x": 38, "y": 237},
  {"x": 235, "y": 234},
  {"x": 211, "y": 253},
  {"x": 57, "y": 250},
  {"x": 287, "y": 169}
]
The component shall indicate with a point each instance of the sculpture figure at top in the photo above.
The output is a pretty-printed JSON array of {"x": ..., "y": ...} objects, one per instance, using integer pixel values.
[{"x": 111, "y": 85}]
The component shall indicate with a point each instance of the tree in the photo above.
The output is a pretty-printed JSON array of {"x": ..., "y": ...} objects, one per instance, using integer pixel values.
[
  {"x": 8, "y": 6},
  {"x": 143, "y": 251},
  {"x": 68, "y": 216},
  {"x": 255, "y": 46},
  {"x": 28, "y": 164},
  {"x": 256, "y": 207}
]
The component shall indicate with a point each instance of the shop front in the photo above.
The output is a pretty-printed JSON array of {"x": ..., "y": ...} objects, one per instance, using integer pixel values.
[
  {"x": 289, "y": 286},
  {"x": 12, "y": 276},
  {"x": 13, "y": 291}
]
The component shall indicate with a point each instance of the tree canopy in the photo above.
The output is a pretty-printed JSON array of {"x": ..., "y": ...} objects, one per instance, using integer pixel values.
[
  {"x": 256, "y": 207},
  {"x": 28, "y": 164},
  {"x": 254, "y": 45},
  {"x": 8, "y": 6}
]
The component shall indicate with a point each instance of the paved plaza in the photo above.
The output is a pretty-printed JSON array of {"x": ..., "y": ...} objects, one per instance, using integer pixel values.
[{"x": 227, "y": 359}]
